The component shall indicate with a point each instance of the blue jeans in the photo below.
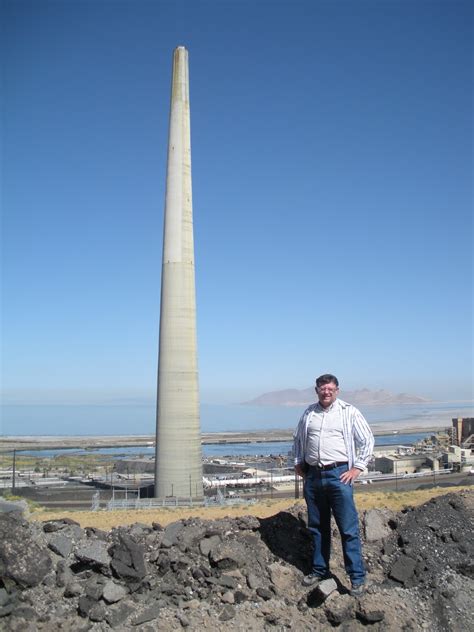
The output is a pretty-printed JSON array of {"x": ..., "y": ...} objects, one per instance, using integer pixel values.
[{"x": 324, "y": 493}]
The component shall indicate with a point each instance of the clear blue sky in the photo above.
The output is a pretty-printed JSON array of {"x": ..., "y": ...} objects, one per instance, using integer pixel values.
[{"x": 332, "y": 165}]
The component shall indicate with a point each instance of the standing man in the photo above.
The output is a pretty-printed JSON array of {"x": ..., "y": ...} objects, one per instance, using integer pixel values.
[{"x": 332, "y": 444}]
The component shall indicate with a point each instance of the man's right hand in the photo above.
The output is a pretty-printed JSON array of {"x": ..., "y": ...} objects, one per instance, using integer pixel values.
[{"x": 299, "y": 470}]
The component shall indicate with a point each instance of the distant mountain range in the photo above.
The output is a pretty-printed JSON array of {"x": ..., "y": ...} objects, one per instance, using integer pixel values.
[{"x": 364, "y": 396}]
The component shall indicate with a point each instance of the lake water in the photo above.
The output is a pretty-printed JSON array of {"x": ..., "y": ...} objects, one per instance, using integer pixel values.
[
  {"x": 236, "y": 450},
  {"x": 140, "y": 419}
]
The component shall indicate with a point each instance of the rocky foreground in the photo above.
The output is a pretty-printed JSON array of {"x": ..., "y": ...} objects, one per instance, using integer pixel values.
[{"x": 238, "y": 574}]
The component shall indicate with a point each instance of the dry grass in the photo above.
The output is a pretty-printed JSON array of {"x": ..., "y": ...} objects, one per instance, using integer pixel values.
[
  {"x": 398, "y": 500},
  {"x": 108, "y": 519}
]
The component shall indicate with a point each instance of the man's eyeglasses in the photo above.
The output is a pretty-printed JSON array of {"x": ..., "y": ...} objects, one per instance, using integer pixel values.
[{"x": 325, "y": 389}]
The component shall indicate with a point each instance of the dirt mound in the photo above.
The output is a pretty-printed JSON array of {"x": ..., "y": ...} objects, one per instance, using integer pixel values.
[{"x": 237, "y": 573}]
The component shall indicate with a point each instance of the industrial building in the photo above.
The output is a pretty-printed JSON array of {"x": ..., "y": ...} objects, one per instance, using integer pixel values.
[
  {"x": 462, "y": 432},
  {"x": 400, "y": 464}
]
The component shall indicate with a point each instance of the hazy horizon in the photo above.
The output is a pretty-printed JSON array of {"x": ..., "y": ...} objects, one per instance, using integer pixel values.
[{"x": 144, "y": 396}]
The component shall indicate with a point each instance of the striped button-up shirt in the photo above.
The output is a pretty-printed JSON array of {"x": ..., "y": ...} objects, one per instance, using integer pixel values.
[{"x": 358, "y": 437}]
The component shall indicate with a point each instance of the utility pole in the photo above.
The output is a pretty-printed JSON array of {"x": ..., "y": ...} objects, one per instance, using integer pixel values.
[{"x": 14, "y": 472}]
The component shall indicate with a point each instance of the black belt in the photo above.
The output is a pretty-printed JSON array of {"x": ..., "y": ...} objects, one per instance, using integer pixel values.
[{"x": 330, "y": 466}]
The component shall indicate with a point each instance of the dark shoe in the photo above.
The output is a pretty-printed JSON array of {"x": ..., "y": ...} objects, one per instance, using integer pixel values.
[
  {"x": 358, "y": 590},
  {"x": 313, "y": 579}
]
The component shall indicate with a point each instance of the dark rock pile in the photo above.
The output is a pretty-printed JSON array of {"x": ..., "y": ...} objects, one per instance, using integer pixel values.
[{"x": 237, "y": 574}]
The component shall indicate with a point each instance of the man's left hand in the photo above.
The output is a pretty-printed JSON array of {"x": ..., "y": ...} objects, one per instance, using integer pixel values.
[{"x": 349, "y": 477}]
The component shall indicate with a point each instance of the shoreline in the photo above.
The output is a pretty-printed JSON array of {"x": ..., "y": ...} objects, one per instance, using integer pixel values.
[{"x": 48, "y": 442}]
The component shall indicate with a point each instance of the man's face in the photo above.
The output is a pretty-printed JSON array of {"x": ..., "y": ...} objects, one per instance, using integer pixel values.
[{"x": 327, "y": 394}]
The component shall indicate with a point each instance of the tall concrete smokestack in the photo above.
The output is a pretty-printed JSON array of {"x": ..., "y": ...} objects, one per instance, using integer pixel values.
[{"x": 178, "y": 470}]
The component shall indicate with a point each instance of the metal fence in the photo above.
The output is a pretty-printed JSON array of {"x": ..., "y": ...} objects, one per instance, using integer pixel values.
[
  {"x": 152, "y": 503},
  {"x": 219, "y": 500},
  {"x": 155, "y": 503}
]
